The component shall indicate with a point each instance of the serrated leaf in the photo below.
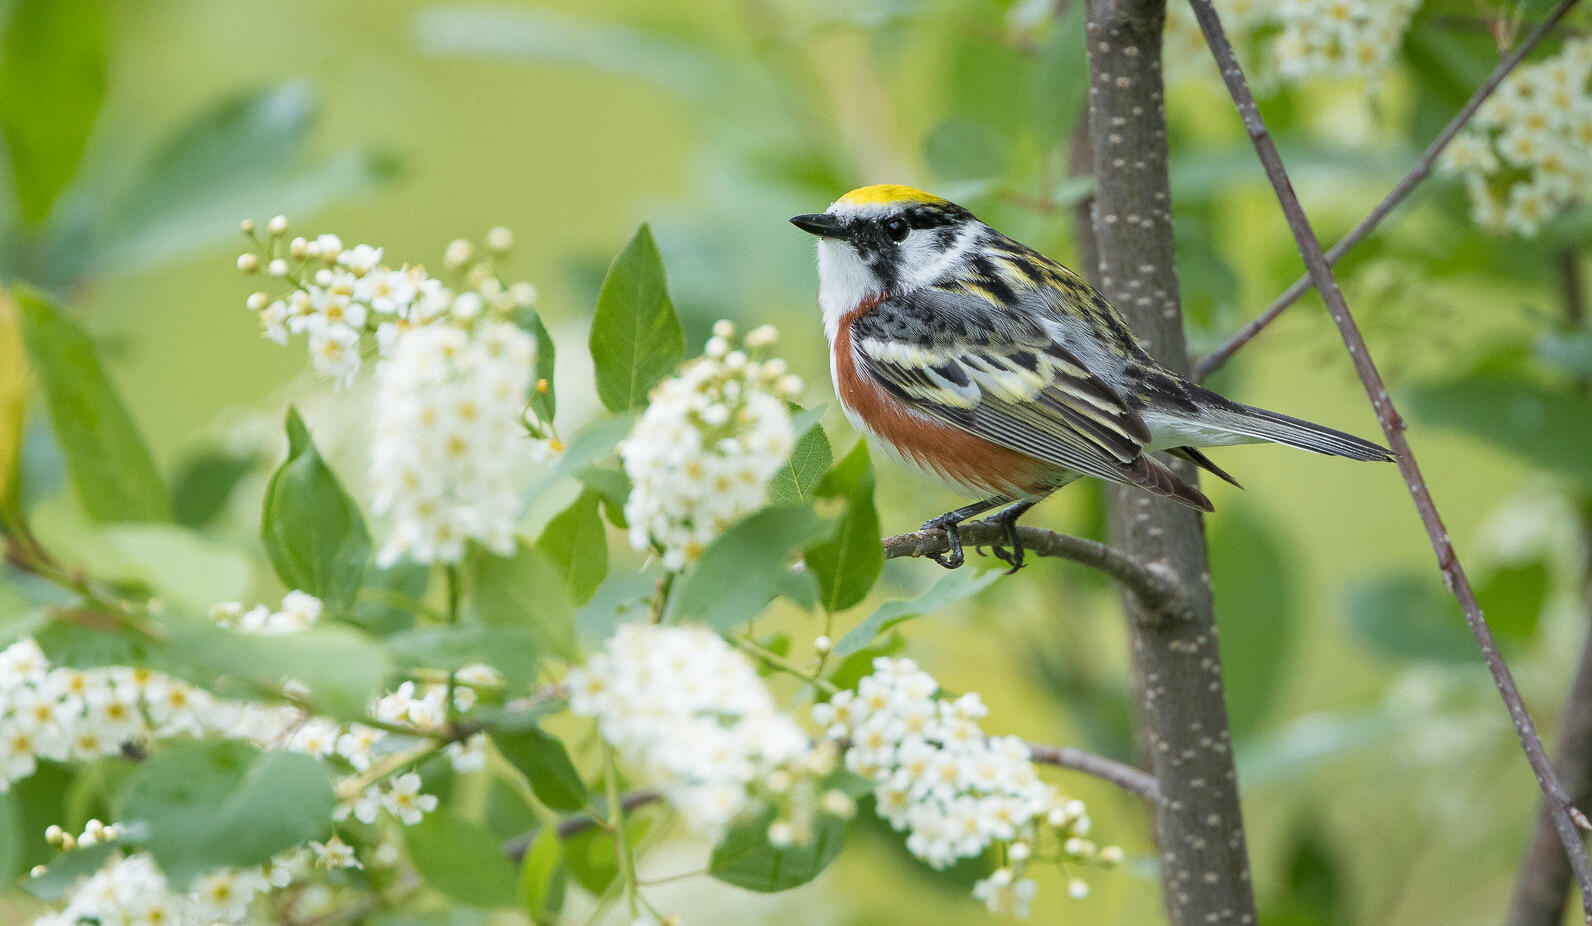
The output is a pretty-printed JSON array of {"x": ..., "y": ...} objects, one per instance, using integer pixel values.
[
  {"x": 461, "y": 860},
  {"x": 546, "y": 765},
  {"x": 526, "y": 591},
  {"x": 576, "y": 543},
  {"x": 112, "y": 470},
  {"x": 225, "y": 803},
  {"x": 953, "y": 587},
  {"x": 636, "y": 339},
  {"x": 52, "y": 83},
  {"x": 739, "y": 573},
  {"x": 312, "y": 528},
  {"x": 796, "y": 483},
  {"x": 849, "y": 562}
]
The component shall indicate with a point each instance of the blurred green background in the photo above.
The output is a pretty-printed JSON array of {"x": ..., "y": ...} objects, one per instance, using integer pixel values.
[{"x": 1381, "y": 778}]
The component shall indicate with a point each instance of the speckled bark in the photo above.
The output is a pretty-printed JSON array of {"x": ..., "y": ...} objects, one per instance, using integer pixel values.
[{"x": 1178, "y": 673}]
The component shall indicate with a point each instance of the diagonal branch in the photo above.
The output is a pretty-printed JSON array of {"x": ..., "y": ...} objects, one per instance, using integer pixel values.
[
  {"x": 1121, "y": 774},
  {"x": 1422, "y": 168},
  {"x": 1566, "y": 816},
  {"x": 1156, "y": 587}
]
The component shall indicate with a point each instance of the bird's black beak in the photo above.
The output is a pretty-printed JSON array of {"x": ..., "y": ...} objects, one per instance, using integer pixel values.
[{"x": 821, "y": 224}]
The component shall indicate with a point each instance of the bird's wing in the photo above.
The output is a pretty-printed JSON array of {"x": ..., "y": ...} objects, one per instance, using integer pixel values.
[{"x": 997, "y": 372}]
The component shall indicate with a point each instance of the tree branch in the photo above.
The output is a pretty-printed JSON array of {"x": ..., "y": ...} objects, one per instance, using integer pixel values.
[
  {"x": 1422, "y": 168},
  {"x": 1566, "y": 817},
  {"x": 573, "y": 826},
  {"x": 1182, "y": 712},
  {"x": 1121, "y": 774},
  {"x": 1153, "y": 585}
]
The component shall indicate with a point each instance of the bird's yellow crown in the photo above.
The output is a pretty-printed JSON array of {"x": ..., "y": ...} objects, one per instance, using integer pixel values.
[{"x": 885, "y": 193}]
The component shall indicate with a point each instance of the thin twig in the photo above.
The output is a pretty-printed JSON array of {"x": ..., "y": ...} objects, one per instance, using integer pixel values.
[
  {"x": 1121, "y": 774},
  {"x": 1422, "y": 168},
  {"x": 1156, "y": 588},
  {"x": 573, "y": 826},
  {"x": 1566, "y": 817}
]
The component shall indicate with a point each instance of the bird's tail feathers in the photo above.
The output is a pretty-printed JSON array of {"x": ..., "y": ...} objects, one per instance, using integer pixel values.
[{"x": 1295, "y": 432}]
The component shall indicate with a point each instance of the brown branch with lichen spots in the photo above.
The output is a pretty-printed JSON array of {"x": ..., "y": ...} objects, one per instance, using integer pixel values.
[
  {"x": 1566, "y": 818},
  {"x": 1157, "y": 588},
  {"x": 1422, "y": 168}
]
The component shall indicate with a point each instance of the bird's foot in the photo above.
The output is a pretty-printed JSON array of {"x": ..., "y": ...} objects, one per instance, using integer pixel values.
[
  {"x": 1012, "y": 553},
  {"x": 954, "y": 558}
]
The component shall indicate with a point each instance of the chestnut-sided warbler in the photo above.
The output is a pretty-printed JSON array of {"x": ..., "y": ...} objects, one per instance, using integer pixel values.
[{"x": 971, "y": 357}]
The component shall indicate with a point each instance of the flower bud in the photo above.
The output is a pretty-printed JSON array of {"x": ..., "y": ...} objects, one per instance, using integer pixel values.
[
  {"x": 823, "y": 645},
  {"x": 499, "y": 239},
  {"x": 277, "y": 268},
  {"x": 248, "y": 263},
  {"x": 780, "y": 834},
  {"x": 457, "y": 254},
  {"x": 523, "y": 293},
  {"x": 246, "y": 226},
  {"x": 1111, "y": 855},
  {"x": 1077, "y": 889},
  {"x": 1019, "y": 852},
  {"x": 299, "y": 248},
  {"x": 277, "y": 225},
  {"x": 724, "y": 328}
]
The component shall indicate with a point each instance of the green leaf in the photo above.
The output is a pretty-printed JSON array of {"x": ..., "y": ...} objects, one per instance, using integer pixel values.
[
  {"x": 387, "y": 598},
  {"x": 539, "y": 872},
  {"x": 594, "y": 442},
  {"x": 1061, "y": 82},
  {"x": 461, "y": 860},
  {"x": 1253, "y": 577},
  {"x": 1548, "y": 427},
  {"x": 69, "y": 868},
  {"x": 612, "y": 488},
  {"x": 636, "y": 339},
  {"x": 207, "y": 805},
  {"x": 112, "y": 470},
  {"x": 10, "y": 837},
  {"x": 577, "y": 546},
  {"x": 512, "y": 651},
  {"x": 205, "y": 484},
  {"x": 796, "y": 483},
  {"x": 1407, "y": 616},
  {"x": 590, "y": 855},
  {"x": 240, "y": 156},
  {"x": 738, "y": 574},
  {"x": 1514, "y": 597},
  {"x": 963, "y": 149},
  {"x": 52, "y": 83},
  {"x": 745, "y": 857},
  {"x": 951, "y": 588},
  {"x": 525, "y": 590},
  {"x": 546, "y": 765},
  {"x": 311, "y": 526},
  {"x": 849, "y": 563},
  {"x": 544, "y": 404},
  {"x": 342, "y": 668}
]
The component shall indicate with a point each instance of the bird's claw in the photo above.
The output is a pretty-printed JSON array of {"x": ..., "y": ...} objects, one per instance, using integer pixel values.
[
  {"x": 1014, "y": 556},
  {"x": 953, "y": 537}
]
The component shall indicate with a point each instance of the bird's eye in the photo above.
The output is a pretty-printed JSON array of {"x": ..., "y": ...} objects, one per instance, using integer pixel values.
[{"x": 897, "y": 229}]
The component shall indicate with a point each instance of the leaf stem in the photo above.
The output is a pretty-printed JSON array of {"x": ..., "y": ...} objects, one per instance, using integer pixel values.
[
  {"x": 455, "y": 591},
  {"x": 616, "y": 817},
  {"x": 776, "y": 661}
]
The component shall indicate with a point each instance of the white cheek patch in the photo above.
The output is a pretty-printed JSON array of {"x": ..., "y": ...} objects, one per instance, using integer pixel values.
[
  {"x": 922, "y": 263},
  {"x": 844, "y": 281}
]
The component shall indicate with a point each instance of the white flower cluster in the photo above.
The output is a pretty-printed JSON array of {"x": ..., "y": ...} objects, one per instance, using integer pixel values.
[
  {"x": 449, "y": 449},
  {"x": 701, "y": 456},
  {"x": 64, "y": 714},
  {"x": 452, "y": 380},
  {"x": 691, "y": 713},
  {"x": 1300, "y": 39},
  {"x": 954, "y": 790},
  {"x": 129, "y": 890},
  {"x": 1527, "y": 154},
  {"x": 340, "y": 294}
]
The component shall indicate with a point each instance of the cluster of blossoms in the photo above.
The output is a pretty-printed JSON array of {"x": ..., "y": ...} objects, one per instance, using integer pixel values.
[
  {"x": 692, "y": 715},
  {"x": 954, "y": 790},
  {"x": 701, "y": 456},
  {"x": 63, "y": 714},
  {"x": 1301, "y": 39},
  {"x": 130, "y": 888},
  {"x": 453, "y": 376},
  {"x": 1527, "y": 154}
]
